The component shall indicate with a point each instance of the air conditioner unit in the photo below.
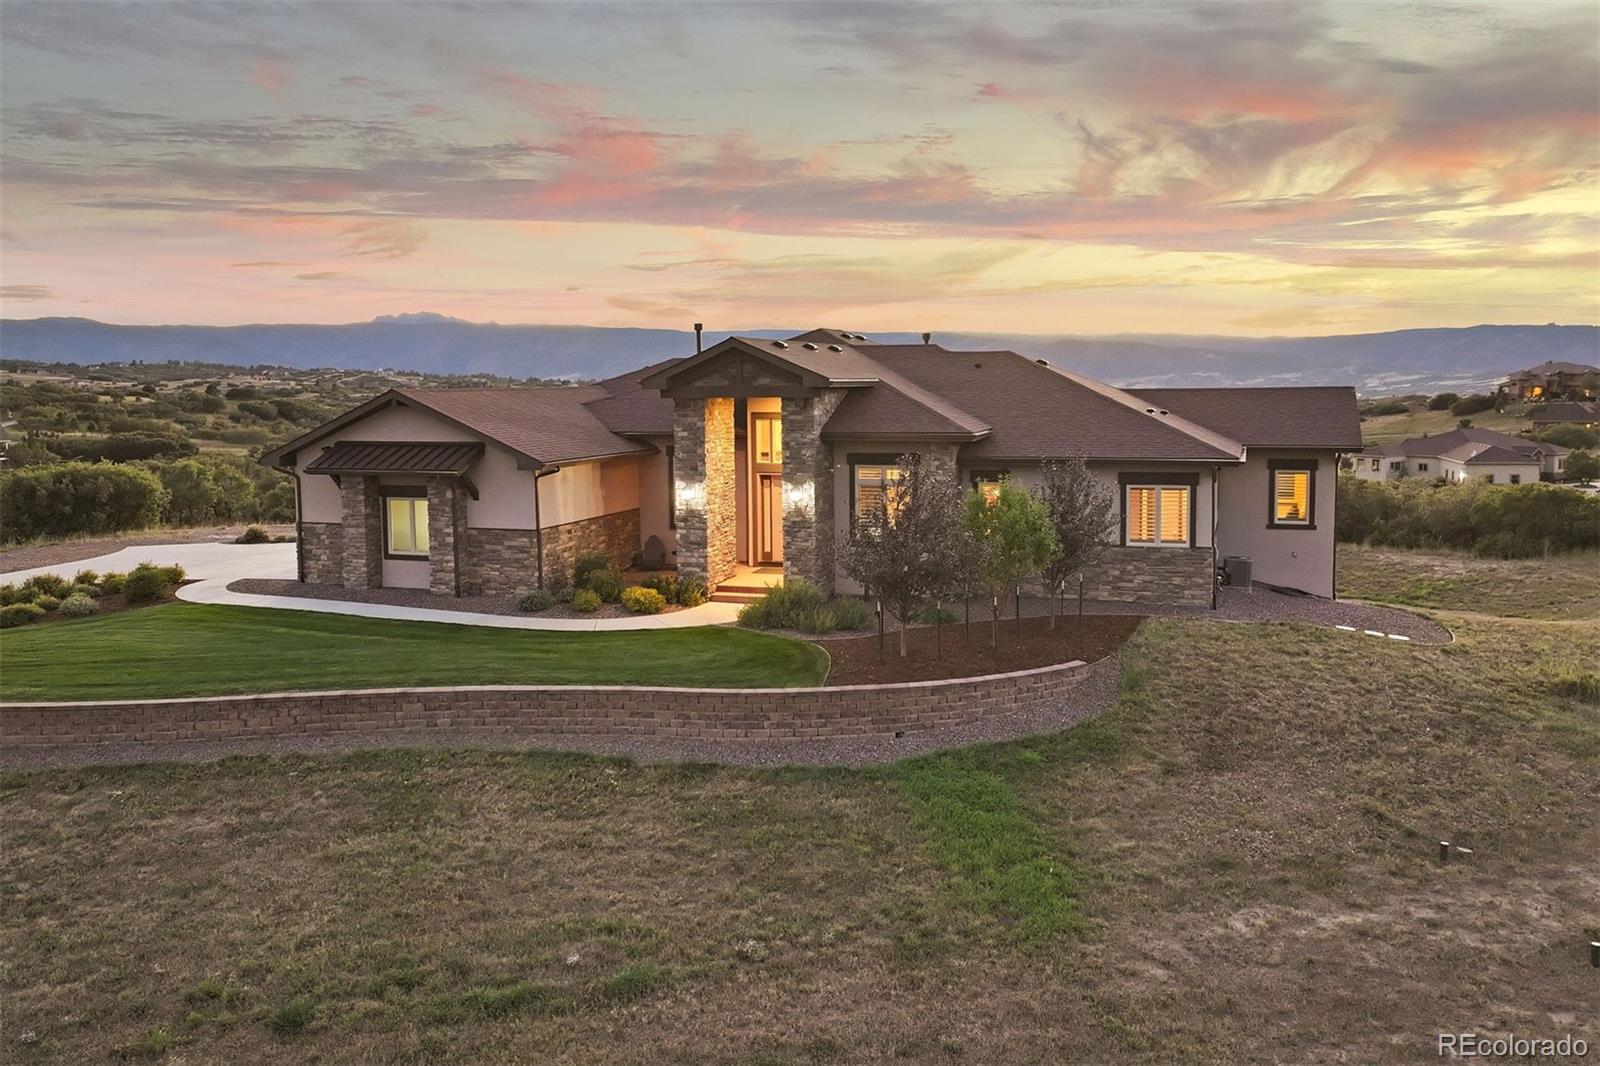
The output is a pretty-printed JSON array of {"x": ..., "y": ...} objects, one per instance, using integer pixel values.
[{"x": 1237, "y": 570}]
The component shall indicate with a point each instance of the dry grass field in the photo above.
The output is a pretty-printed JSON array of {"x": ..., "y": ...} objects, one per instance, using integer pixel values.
[
  {"x": 1236, "y": 864},
  {"x": 1383, "y": 429}
]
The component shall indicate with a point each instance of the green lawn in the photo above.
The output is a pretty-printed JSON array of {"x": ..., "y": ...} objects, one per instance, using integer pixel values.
[{"x": 187, "y": 649}]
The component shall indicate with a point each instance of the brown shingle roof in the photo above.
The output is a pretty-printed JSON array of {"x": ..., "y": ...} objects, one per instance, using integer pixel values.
[
  {"x": 546, "y": 424},
  {"x": 1315, "y": 416}
]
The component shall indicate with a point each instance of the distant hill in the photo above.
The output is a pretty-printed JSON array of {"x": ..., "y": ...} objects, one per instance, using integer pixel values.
[{"x": 1417, "y": 360}]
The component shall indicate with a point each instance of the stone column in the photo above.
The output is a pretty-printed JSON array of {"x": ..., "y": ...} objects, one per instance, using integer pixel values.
[
  {"x": 447, "y": 536},
  {"x": 808, "y": 489},
  {"x": 704, "y": 487},
  {"x": 362, "y": 556}
]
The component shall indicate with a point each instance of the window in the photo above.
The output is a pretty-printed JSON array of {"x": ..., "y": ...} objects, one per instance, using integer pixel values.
[
  {"x": 405, "y": 523},
  {"x": 1375, "y": 463},
  {"x": 873, "y": 481},
  {"x": 769, "y": 438},
  {"x": 1489, "y": 478},
  {"x": 1398, "y": 464},
  {"x": 988, "y": 483},
  {"x": 1158, "y": 514},
  {"x": 1422, "y": 467},
  {"x": 1516, "y": 479}
]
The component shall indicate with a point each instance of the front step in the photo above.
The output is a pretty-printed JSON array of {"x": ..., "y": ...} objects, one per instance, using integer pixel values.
[{"x": 744, "y": 595}]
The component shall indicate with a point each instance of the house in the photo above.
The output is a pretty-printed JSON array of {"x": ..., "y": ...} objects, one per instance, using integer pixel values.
[
  {"x": 1554, "y": 380},
  {"x": 754, "y": 454},
  {"x": 1566, "y": 412},
  {"x": 1462, "y": 455},
  {"x": 6, "y": 425}
]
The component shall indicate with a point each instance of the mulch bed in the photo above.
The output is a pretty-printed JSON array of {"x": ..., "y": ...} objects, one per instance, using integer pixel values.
[
  {"x": 858, "y": 661},
  {"x": 111, "y": 603}
]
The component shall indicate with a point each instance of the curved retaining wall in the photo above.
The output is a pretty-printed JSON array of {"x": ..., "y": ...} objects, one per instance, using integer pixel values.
[{"x": 543, "y": 710}]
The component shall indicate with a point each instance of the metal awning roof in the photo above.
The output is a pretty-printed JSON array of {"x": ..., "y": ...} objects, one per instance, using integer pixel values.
[{"x": 396, "y": 457}]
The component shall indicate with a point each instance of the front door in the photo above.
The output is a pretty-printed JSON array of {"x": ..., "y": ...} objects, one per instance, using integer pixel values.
[{"x": 769, "y": 519}]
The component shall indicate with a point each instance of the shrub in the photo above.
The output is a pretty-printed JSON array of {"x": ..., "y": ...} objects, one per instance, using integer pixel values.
[
  {"x": 91, "y": 591},
  {"x": 1471, "y": 405},
  {"x": 112, "y": 583},
  {"x": 46, "y": 602},
  {"x": 1570, "y": 436},
  {"x": 78, "y": 606},
  {"x": 780, "y": 606},
  {"x": 10, "y": 594},
  {"x": 1391, "y": 407},
  {"x": 19, "y": 614},
  {"x": 586, "y": 600},
  {"x": 1444, "y": 401},
  {"x": 586, "y": 564},
  {"x": 123, "y": 447},
  {"x": 146, "y": 584},
  {"x": 643, "y": 601},
  {"x": 175, "y": 573},
  {"x": 86, "y": 577},
  {"x": 69, "y": 498},
  {"x": 935, "y": 615},
  {"x": 536, "y": 600},
  {"x": 47, "y": 585},
  {"x": 1507, "y": 521},
  {"x": 852, "y": 613},
  {"x": 253, "y": 535},
  {"x": 690, "y": 594},
  {"x": 816, "y": 620},
  {"x": 607, "y": 584},
  {"x": 666, "y": 584},
  {"x": 556, "y": 578}
]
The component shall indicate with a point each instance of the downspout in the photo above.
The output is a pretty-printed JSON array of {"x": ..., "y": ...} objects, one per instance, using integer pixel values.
[
  {"x": 1216, "y": 472},
  {"x": 538, "y": 524},
  {"x": 299, "y": 530}
]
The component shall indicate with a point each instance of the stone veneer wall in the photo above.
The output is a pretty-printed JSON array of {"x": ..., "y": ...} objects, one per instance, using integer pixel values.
[
  {"x": 361, "y": 561},
  {"x": 1181, "y": 576},
  {"x": 500, "y": 561},
  {"x": 321, "y": 546},
  {"x": 533, "y": 711},
  {"x": 447, "y": 536},
  {"x": 808, "y": 523},
  {"x": 703, "y": 456}
]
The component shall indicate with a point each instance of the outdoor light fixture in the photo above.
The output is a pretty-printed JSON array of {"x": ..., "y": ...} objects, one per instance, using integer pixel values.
[
  {"x": 799, "y": 496},
  {"x": 689, "y": 495}
]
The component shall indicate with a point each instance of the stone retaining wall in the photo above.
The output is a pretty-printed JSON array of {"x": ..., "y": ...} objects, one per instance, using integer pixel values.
[{"x": 533, "y": 711}]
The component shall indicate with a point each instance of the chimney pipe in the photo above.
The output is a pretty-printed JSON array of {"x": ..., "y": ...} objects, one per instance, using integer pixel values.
[
  {"x": 698, "y": 326},
  {"x": 927, "y": 338}
]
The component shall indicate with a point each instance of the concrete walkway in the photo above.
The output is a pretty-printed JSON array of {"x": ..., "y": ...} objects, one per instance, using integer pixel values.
[{"x": 215, "y": 566}]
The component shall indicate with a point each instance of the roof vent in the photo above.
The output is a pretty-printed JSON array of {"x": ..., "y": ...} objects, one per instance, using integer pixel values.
[
  {"x": 808, "y": 346},
  {"x": 834, "y": 348},
  {"x": 779, "y": 344},
  {"x": 1042, "y": 362},
  {"x": 1165, "y": 411},
  {"x": 1149, "y": 410}
]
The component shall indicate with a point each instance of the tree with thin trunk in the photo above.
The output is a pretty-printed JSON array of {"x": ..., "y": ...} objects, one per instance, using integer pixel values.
[
  {"x": 1083, "y": 515},
  {"x": 1013, "y": 540},
  {"x": 902, "y": 544}
]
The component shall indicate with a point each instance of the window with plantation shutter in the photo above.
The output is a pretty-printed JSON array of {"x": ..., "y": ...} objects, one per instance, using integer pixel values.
[
  {"x": 1158, "y": 515},
  {"x": 1292, "y": 486}
]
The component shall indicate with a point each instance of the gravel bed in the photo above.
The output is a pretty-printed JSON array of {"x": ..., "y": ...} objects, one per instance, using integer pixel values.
[
  {"x": 1076, "y": 703},
  {"x": 1264, "y": 605},
  {"x": 57, "y": 553}
]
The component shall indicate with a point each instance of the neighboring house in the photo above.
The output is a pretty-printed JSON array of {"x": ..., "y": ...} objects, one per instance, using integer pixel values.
[
  {"x": 5, "y": 439},
  {"x": 1553, "y": 380},
  {"x": 758, "y": 453},
  {"x": 1567, "y": 412},
  {"x": 1462, "y": 455}
]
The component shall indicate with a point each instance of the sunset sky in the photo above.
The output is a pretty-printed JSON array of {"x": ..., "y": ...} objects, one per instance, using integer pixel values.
[{"x": 1235, "y": 168}]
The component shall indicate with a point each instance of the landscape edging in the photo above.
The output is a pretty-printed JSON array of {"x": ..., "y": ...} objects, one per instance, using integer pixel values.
[{"x": 890, "y": 709}]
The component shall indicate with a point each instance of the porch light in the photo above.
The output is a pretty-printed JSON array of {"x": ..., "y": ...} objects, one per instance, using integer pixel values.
[
  {"x": 689, "y": 495},
  {"x": 799, "y": 496}
]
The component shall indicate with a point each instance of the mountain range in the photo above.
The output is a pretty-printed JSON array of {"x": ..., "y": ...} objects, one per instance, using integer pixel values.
[{"x": 1414, "y": 360}]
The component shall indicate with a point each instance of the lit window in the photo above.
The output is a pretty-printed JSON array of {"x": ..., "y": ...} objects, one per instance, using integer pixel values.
[
  {"x": 769, "y": 438},
  {"x": 987, "y": 482},
  {"x": 1158, "y": 514},
  {"x": 874, "y": 484},
  {"x": 1291, "y": 496},
  {"x": 1375, "y": 464},
  {"x": 406, "y": 526}
]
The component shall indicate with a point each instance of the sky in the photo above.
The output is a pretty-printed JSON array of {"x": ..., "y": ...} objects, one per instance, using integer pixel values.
[{"x": 1094, "y": 168}]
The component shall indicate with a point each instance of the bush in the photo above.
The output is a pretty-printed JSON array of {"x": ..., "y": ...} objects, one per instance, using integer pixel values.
[
  {"x": 10, "y": 594},
  {"x": 1444, "y": 401},
  {"x": 607, "y": 584},
  {"x": 47, "y": 585},
  {"x": 146, "y": 584},
  {"x": 112, "y": 583},
  {"x": 586, "y": 600},
  {"x": 935, "y": 615},
  {"x": 78, "y": 606},
  {"x": 70, "y": 498},
  {"x": 781, "y": 606},
  {"x": 1506, "y": 521},
  {"x": 46, "y": 602},
  {"x": 19, "y": 614},
  {"x": 86, "y": 577},
  {"x": 643, "y": 601},
  {"x": 852, "y": 613},
  {"x": 123, "y": 447},
  {"x": 1471, "y": 405},
  {"x": 816, "y": 620},
  {"x": 253, "y": 535},
  {"x": 664, "y": 583},
  {"x": 91, "y": 591},
  {"x": 690, "y": 594},
  {"x": 1391, "y": 407},
  {"x": 556, "y": 578},
  {"x": 536, "y": 600},
  {"x": 175, "y": 574},
  {"x": 586, "y": 564},
  {"x": 1570, "y": 436}
]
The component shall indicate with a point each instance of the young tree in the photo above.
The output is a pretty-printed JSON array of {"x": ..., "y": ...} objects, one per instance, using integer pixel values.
[
  {"x": 1013, "y": 540},
  {"x": 903, "y": 544},
  {"x": 1082, "y": 513},
  {"x": 1583, "y": 466}
]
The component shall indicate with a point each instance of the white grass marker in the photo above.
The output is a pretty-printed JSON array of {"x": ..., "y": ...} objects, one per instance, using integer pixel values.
[
  {"x": 1372, "y": 632},
  {"x": 1397, "y": 636},
  {"x": 1347, "y": 629}
]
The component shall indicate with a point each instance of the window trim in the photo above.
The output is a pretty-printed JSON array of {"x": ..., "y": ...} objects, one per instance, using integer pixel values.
[
  {"x": 1157, "y": 481},
  {"x": 1309, "y": 467},
  {"x": 402, "y": 492},
  {"x": 855, "y": 459}
]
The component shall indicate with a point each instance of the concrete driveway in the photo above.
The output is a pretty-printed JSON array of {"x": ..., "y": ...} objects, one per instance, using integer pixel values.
[{"x": 203, "y": 561}]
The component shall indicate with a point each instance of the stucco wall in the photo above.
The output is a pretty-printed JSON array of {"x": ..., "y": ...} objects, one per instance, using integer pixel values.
[
  {"x": 1293, "y": 558},
  {"x": 654, "y": 492}
]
